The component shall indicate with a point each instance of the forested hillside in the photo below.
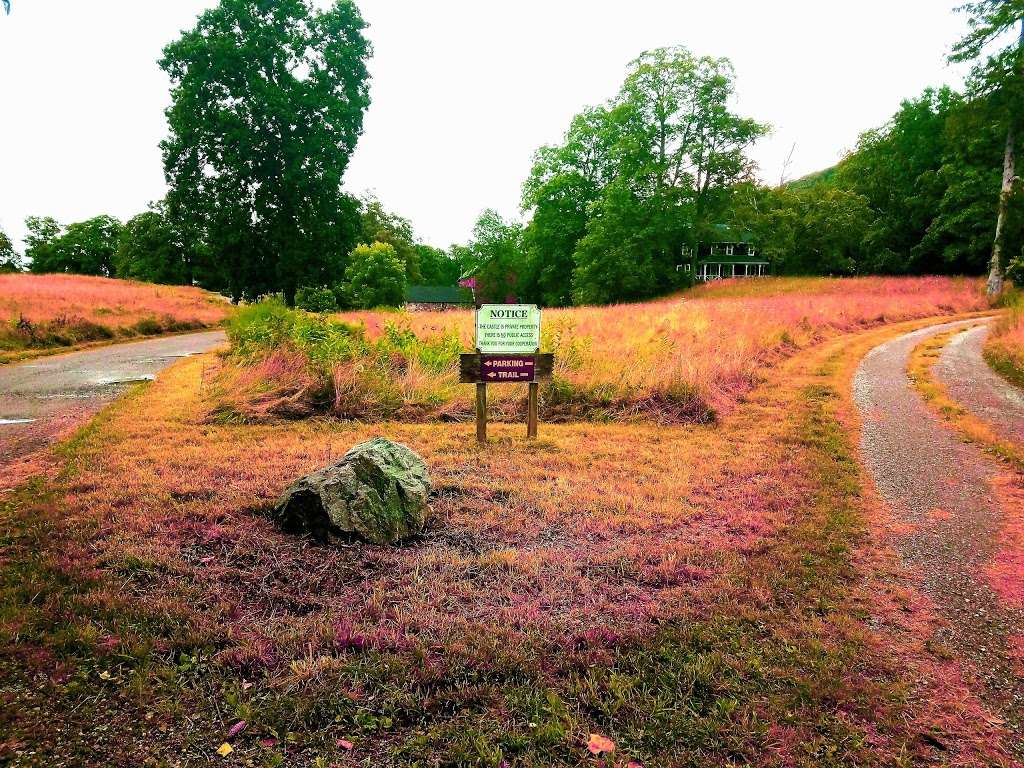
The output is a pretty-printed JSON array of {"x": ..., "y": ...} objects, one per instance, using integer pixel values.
[{"x": 918, "y": 195}]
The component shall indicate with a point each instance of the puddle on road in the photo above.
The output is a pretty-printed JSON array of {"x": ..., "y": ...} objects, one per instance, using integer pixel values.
[
  {"x": 166, "y": 358},
  {"x": 5, "y": 422},
  {"x": 102, "y": 381}
]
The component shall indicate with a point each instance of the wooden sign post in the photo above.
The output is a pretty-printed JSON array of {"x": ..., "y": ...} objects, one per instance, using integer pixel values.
[{"x": 507, "y": 352}]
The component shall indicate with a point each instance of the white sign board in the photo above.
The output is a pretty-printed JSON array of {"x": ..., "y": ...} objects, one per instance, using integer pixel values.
[{"x": 511, "y": 328}]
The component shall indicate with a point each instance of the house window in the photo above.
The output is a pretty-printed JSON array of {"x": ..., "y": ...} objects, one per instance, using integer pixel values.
[
  {"x": 687, "y": 252},
  {"x": 751, "y": 250},
  {"x": 728, "y": 250},
  {"x": 686, "y": 267}
]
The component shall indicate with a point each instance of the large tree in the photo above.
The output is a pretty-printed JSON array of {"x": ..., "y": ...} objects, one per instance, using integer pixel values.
[
  {"x": 998, "y": 76},
  {"x": 496, "y": 259},
  {"x": 635, "y": 180},
  {"x": 267, "y": 106},
  {"x": 437, "y": 267},
  {"x": 40, "y": 239}
]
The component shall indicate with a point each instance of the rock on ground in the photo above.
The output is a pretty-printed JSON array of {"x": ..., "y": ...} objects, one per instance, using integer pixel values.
[{"x": 377, "y": 492}]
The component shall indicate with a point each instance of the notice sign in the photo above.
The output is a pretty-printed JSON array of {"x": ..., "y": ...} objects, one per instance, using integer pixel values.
[
  {"x": 503, "y": 368},
  {"x": 508, "y": 328}
]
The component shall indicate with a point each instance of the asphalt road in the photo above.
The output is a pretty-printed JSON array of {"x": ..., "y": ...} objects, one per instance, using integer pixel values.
[
  {"x": 941, "y": 491},
  {"x": 44, "y": 399}
]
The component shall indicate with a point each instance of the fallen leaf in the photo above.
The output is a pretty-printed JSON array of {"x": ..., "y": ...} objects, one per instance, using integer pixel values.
[
  {"x": 268, "y": 742},
  {"x": 225, "y": 749},
  {"x": 344, "y": 743},
  {"x": 634, "y": 764},
  {"x": 598, "y": 744},
  {"x": 236, "y": 729}
]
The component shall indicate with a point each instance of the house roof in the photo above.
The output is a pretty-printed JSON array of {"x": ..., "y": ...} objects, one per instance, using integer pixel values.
[
  {"x": 438, "y": 294},
  {"x": 733, "y": 261}
]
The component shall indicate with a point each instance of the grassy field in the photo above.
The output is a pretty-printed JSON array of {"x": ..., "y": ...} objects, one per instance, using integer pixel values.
[
  {"x": 686, "y": 359},
  {"x": 39, "y": 312},
  {"x": 612, "y": 594},
  {"x": 1004, "y": 349}
]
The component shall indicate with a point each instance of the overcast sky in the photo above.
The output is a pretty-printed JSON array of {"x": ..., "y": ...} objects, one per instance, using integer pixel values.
[{"x": 463, "y": 91}]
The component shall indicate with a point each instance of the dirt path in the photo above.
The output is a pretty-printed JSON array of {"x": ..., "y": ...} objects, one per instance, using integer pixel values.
[
  {"x": 940, "y": 488},
  {"x": 984, "y": 393},
  {"x": 43, "y": 400}
]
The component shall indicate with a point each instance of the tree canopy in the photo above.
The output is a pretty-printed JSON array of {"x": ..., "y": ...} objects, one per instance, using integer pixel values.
[
  {"x": 634, "y": 180},
  {"x": 267, "y": 106},
  {"x": 84, "y": 248},
  {"x": 376, "y": 276}
]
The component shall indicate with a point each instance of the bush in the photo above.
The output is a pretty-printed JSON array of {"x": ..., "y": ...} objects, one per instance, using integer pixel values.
[
  {"x": 342, "y": 370},
  {"x": 376, "y": 277},
  {"x": 259, "y": 329},
  {"x": 314, "y": 299}
]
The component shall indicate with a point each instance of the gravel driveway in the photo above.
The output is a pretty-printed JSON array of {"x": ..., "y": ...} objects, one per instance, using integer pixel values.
[
  {"x": 44, "y": 399},
  {"x": 941, "y": 489},
  {"x": 983, "y": 392}
]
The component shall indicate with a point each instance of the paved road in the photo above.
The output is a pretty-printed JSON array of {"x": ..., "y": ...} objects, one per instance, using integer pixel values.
[
  {"x": 941, "y": 489},
  {"x": 42, "y": 400},
  {"x": 983, "y": 392}
]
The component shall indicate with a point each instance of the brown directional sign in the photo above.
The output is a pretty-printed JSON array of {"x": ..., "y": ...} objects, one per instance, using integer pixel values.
[
  {"x": 505, "y": 369},
  {"x": 495, "y": 369}
]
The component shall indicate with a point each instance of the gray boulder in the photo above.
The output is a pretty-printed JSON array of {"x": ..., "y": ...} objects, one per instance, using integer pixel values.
[{"x": 377, "y": 492}]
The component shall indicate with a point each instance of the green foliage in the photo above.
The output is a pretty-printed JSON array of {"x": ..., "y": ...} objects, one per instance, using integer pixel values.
[
  {"x": 376, "y": 276},
  {"x": 436, "y": 266},
  {"x": 267, "y": 107},
  {"x": 9, "y": 260},
  {"x": 358, "y": 377},
  {"x": 495, "y": 257},
  {"x": 918, "y": 195},
  {"x": 806, "y": 230},
  {"x": 381, "y": 226},
  {"x": 313, "y": 299},
  {"x": 635, "y": 180},
  {"x": 151, "y": 250},
  {"x": 43, "y": 232},
  {"x": 998, "y": 70},
  {"x": 258, "y": 329},
  {"x": 83, "y": 248}
]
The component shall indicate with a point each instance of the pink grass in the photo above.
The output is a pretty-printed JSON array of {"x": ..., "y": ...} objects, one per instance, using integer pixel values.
[{"x": 112, "y": 303}]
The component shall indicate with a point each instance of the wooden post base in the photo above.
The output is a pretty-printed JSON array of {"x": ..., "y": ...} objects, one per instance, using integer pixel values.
[
  {"x": 481, "y": 413},
  {"x": 531, "y": 415}
]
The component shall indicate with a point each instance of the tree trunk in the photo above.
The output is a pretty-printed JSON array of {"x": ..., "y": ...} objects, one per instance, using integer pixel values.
[{"x": 995, "y": 266}]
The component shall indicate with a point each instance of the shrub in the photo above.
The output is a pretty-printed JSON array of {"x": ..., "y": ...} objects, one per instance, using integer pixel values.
[
  {"x": 376, "y": 276},
  {"x": 343, "y": 370},
  {"x": 314, "y": 299}
]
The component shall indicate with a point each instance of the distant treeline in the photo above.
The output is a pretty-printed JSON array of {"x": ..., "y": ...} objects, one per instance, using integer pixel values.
[
  {"x": 255, "y": 164},
  {"x": 152, "y": 248},
  {"x": 918, "y": 195}
]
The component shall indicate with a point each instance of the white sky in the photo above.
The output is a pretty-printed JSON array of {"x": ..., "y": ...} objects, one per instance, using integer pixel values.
[{"x": 463, "y": 91}]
